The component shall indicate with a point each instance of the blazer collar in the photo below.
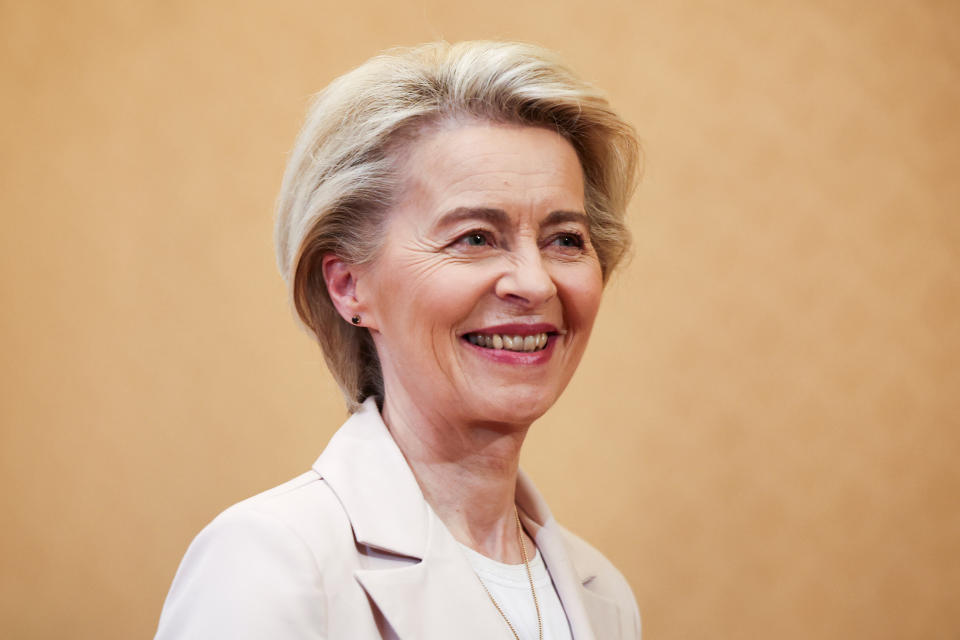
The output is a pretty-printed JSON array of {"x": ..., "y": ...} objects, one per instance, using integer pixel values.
[{"x": 366, "y": 470}]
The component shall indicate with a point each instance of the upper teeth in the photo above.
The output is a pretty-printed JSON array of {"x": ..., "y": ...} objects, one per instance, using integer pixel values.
[{"x": 511, "y": 343}]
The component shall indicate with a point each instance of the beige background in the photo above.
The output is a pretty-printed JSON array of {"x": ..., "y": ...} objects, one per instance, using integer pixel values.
[{"x": 764, "y": 433}]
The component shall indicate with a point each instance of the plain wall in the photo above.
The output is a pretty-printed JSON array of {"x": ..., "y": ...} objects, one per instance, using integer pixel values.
[{"x": 764, "y": 433}]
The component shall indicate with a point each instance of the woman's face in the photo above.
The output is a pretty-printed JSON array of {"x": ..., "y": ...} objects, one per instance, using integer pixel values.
[{"x": 483, "y": 296}]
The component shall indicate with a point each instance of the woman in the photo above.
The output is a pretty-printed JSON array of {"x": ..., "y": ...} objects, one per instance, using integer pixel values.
[{"x": 447, "y": 221}]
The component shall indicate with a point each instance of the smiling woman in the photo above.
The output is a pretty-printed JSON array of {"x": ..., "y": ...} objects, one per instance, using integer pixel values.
[
  {"x": 447, "y": 222},
  {"x": 492, "y": 245}
]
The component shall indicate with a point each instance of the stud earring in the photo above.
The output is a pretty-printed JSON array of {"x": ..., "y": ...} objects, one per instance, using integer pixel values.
[{"x": 355, "y": 319}]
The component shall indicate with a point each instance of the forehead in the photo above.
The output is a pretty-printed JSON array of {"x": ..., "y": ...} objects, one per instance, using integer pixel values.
[{"x": 521, "y": 170}]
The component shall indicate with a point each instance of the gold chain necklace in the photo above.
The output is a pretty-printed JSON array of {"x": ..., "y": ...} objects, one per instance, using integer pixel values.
[{"x": 526, "y": 563}]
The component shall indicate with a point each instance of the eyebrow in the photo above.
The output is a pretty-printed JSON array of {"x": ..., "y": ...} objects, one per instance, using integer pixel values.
[
  {"x": 499, "y": 217},
  {"x": 557, "y": 217},
  {"x": 496, "y": 217}
]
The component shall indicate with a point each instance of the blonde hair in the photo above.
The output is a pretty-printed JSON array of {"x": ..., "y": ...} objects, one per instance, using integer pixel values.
[{"x": 342, "y": 177}]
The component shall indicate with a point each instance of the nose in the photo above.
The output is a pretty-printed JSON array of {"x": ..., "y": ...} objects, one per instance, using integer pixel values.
[{"x": 526, "y": 281}]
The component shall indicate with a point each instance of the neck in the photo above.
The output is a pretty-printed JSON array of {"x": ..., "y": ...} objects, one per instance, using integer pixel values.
[{"x": 467, "y": 472}]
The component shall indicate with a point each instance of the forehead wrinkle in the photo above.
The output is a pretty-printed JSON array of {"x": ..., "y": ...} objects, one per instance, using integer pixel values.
[
  {"x": 435, "y": 175},
  {"x": 440, "y": 173}
]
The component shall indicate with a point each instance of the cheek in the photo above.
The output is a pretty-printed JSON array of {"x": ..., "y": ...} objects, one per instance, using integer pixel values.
[
  {"x": 582, "y": 293},
  {"x": 433, "y": 300}
]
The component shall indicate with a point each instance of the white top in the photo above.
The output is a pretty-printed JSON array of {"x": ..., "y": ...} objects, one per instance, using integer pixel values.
[{"x": 510, "y": 587}]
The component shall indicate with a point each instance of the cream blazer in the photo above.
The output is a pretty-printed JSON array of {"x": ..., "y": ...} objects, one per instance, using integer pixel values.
[{"x": 351, "y": 550}]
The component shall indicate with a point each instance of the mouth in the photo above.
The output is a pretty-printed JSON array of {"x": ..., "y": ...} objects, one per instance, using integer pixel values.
[
  {"x": 509, "y": 342},
  {"x": 515, "y": 337}
]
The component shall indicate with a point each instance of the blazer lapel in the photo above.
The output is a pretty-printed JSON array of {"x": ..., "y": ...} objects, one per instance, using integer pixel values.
[
  {"x": 439, "y": 597},
  {"x": 603, "y": 613},
  {"x": 431, "y": 591},
  {"x": 369, "y": 475}
]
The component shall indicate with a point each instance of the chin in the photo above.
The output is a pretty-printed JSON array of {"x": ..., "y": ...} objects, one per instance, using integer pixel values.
[{"x": 520, "y": 408}]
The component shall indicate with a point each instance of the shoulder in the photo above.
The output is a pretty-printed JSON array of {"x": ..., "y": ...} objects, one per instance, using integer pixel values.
[
  {"x": 305, "y": 506},
  {"x": 254, "y": 571},
  {"x": 302, "y": 514},
  {"x": 601, "y": 577}
]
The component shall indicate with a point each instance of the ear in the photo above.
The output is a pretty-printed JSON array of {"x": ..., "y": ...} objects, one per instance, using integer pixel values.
[
  {"x": 341, "y": 284},
  {"x": 341, "y": 279}
]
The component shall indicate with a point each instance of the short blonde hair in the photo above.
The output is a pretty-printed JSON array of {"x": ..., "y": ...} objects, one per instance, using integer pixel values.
[{"x": 341, "y": 177}]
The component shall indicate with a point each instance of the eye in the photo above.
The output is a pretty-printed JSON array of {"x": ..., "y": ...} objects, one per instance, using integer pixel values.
[
  {"x": 475, "y": 238},
  {"x": 568, "y": 240}
]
